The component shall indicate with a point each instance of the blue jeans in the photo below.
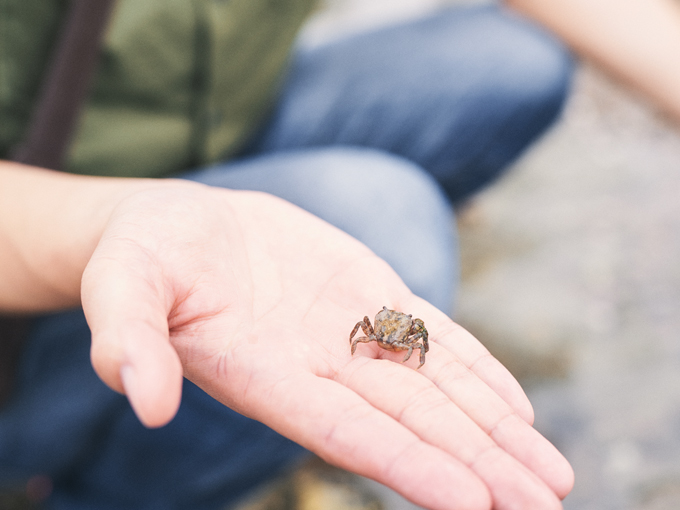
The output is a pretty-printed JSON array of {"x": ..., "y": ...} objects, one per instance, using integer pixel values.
[{"x": 377, "y": 134}]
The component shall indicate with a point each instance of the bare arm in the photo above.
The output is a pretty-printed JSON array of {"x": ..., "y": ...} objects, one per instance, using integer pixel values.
[
  {"x": 253, "y": 299},
  {"x": 50, "y": 223},
  {"x": 637, "y": 40}
]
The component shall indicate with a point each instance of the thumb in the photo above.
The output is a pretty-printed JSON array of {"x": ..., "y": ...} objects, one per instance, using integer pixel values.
[{"x": 131, "y": 351}]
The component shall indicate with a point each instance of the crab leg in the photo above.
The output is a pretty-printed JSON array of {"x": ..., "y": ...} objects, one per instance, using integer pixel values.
[
  {"x": 408, "y": 354},
  {"x": 363, "y": 340},
  {"x": 367, "y": 328},
  {"x": 423, "y": 350}
]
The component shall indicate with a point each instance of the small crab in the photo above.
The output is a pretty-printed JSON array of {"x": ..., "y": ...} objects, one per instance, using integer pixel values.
[{"x": 394, "y": 331}]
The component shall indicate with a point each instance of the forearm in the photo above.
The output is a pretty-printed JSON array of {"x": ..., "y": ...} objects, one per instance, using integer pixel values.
[
  {"x": 637, "y": 40},
  {"x": 50, "y": 223}
]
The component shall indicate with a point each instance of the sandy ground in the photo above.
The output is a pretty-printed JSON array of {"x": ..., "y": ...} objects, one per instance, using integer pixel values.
[{"x": 571, "y": 278}]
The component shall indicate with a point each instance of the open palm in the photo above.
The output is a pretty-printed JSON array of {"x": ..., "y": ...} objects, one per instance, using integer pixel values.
[{"x": 253, "y": 299}]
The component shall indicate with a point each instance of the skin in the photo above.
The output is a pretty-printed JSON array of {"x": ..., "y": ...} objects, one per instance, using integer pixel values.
[
  {"x": 636, "y": 40},
  {"x": 251, "y": 298}
]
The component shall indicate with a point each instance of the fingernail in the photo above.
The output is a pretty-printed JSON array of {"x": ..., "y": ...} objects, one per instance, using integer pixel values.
[{"x": 129, "y": 379}]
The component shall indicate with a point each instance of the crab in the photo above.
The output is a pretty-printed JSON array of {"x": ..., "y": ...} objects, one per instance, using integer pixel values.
[{"x": 394, "y": 331}]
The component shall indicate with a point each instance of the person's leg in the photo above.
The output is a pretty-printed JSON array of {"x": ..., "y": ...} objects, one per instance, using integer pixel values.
[
  {"x": 460, "y": 93},
  {"x": 457, "y": 95}
]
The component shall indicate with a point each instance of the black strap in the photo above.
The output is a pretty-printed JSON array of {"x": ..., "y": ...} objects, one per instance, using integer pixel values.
[
  {"x": 65, "y": 87},
  {"x": 50, "y": 131}
]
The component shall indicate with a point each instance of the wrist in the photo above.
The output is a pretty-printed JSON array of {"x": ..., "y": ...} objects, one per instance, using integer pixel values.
[{"x": 50, "y": 223}]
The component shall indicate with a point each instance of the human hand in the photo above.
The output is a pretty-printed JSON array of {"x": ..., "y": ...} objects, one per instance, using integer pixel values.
[{"x": 253, "y": 300}]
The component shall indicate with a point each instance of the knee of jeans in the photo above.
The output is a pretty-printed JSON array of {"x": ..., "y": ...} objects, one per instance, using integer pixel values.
[
  {"x": 509, "y": 60},
  {"x": 528, "y": 79},
  {"x": 399, "y": 211},
  {"x": 536, "y": 84},
  {"x": 537, "y": 73}
]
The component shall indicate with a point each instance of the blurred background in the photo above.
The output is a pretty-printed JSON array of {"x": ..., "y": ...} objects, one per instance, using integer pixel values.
[{"x": 571, "y": 277}]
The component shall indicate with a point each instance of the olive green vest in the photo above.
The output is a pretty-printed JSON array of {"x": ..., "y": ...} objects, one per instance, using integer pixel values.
[{"x": 180, "y": 83}]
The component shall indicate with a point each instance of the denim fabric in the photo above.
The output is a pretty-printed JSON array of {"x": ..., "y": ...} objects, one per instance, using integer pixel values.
[
  {"x": 377, "y": 133},
  {"x": 64, "y": 422},
  {"x": 460, "y": 94}
]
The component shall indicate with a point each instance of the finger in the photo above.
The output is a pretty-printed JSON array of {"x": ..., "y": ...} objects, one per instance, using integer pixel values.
[
  {"x": 475, "y": 356},
  {"x": 130, "y": 348},
  {"x": 345, "y": 430},
  {"x": 420, "y": 406},
  {"x": 497, "y": 419},
  {"x": 478, "y": 359}
]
